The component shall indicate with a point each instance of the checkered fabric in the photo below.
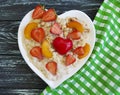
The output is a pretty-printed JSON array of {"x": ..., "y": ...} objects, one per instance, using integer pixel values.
[{"x": 101, "y": 73}]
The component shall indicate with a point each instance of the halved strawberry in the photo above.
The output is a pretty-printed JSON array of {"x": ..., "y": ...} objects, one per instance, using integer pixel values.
[
  {"x": 75, "y": 35},
  {"x": 38, "y": 34},
  {"x": 56, "y": 28},
  {"x": 38, "y": 12},
  {"x": 36, "y": 52},
  {"x": 79, "y": 51},
  {"x": 69, "y": 59},
  {"x": 49, "y": 15},
  {"x": 52, "y": 67}
]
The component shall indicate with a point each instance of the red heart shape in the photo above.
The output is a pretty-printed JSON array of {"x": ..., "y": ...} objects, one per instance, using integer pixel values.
[{"x": 62, "y": 46}]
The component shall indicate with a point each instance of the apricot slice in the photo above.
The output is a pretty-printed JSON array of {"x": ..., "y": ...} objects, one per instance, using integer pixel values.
[
  {"x": 29, "y": 28},
  {"x": 76, "y": 25},
  {"x": 45, "y": 49},
  {"x": 86, "y": 49}
]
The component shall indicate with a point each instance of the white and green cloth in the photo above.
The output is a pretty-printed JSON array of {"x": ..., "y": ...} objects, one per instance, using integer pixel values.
[{"x": 101, "y": 74}]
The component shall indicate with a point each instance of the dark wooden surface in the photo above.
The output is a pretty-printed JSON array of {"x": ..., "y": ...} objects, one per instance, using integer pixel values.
[{"x": 16, "y": 78}]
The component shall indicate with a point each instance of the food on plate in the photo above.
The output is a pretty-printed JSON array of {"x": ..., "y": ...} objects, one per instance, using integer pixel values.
[
  {"x": 49, "y": 15},
  {"x": 36, "y": 52},
  {"x": 29, "y": 28},
  {"x": 76, "y": 25},
  {"x": 74, "y": 35},
  {"x": 38, "y": 34},
  {"x": 86, "y": 49},
  {"x": 70, "y": 59},
  {"x": 82, "y": 51},
  {"x": 52, "y": 67},
  {"x": 46, "y": 49},
  {"x": 56, "y": 29},
  {"x": 62, "y": 46},
  {"x": 78, "y": 51},
  {"x": 53, "y": 44},
  {"x": 38, "y": 12}
]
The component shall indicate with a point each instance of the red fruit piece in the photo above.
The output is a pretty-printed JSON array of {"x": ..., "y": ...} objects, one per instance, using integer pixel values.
[
  {"x": 86, "y": 49},
  {"x": 49, "y": 15},
  {"x": 52, "y": 67},
  {"x": 38, "y": 12},
  {"x": 56, "y": 28},
  {"x": 69, "y": 60},
  {"x": 36, "y": 52},
  {"x": 79, "y": 51},
  {"x": 75, "y": 35},
  {"x": 62, "y": 46},
  {"x": 38, "y": 34}
]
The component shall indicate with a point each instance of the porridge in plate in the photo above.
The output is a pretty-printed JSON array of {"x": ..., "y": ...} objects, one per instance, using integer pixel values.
[{"x": 53, "y": 44}]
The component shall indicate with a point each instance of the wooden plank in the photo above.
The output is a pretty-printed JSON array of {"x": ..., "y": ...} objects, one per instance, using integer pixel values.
[
  {"x": 14, "y": 72},
  {"x": 19, "y": 91},
  {"x": 48, "y": 2},
  {"x": 15, "y": 10},
  {"x": 8, "y": 38}
]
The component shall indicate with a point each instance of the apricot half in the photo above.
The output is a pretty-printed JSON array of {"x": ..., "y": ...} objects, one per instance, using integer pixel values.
[
  {"x": 46, "y": 49},
  {"x": 29, "y": 28},
  {"x": 76, "y": 25}
]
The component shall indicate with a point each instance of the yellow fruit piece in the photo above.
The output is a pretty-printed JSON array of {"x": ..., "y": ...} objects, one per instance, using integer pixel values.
[
  {"x": 86, "y": 49},
  {"x": 76, "y": 25},
  {"x": 45, "y": 49},
  {"x": 29, "y": 28}
]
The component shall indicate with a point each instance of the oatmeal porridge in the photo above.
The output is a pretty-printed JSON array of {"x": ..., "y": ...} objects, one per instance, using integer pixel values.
[{"x": 53, "y": 44}]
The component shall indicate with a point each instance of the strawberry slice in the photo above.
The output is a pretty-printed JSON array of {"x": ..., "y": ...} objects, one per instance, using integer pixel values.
[
  {"x": 49, "y": 15},
  {"x": 36, "y": 52},
  {"x": 38, "y": 12},
  {"x": 38, "y": 34},
  {"x": 79, "y": 51},
  {"x": 52, "y": 67},
  {"x": 56, "y": 28},
  {"x": 75, "y": 35},
  {"x": 69, "y": 60}
]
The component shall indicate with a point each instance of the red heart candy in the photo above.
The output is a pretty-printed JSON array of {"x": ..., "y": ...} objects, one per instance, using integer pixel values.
[{"x": 62, "y": 46}]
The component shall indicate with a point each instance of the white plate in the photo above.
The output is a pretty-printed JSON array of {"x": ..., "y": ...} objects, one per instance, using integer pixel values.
[{"x": 72, "y": 13}]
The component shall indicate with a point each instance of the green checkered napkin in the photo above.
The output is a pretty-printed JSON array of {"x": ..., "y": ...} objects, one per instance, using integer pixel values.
[{"x": 101, "y": 73}]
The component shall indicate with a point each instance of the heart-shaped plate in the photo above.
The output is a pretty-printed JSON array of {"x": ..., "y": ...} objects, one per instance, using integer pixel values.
[{"x": 72, "y": 13}]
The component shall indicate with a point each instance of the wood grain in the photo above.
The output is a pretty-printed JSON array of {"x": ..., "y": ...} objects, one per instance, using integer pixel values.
[
  {"x": 16, "y": 9},
  {"x": 15, "y": 75},
  {"x": 16, "y": 78}
]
